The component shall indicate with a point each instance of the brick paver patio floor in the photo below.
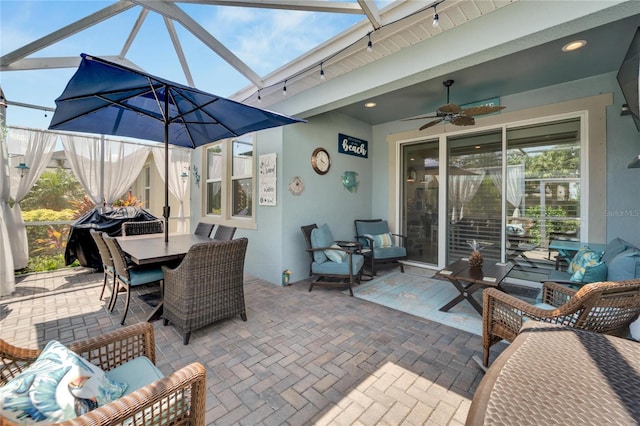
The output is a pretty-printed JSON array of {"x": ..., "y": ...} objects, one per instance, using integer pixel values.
[{"x": 302, "y": 357}]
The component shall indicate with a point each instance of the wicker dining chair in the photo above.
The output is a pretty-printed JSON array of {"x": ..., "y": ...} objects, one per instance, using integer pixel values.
[
  {"x": 603, "y": 307},
  {"x": 224, "y": 233},
  {"x": 179, "y": 398},
  {"x": 204, "y": 229},
  {"x": 144, "y": 227},
  {"x": 107, "y": 262},
  {"x": 207, "y": 286},
  {"x": 128, "y": 275}
]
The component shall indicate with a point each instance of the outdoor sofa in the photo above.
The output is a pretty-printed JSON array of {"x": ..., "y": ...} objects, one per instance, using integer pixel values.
[{"x": 619, "y": 261}]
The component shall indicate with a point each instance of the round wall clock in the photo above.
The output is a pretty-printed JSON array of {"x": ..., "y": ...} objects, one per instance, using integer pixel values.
[
  {"x": 296, "y": 185},
  {"x": 320, "y": 161}
]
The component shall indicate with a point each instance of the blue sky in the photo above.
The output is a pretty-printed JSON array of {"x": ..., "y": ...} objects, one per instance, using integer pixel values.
[{"x": 263, "y": 39}]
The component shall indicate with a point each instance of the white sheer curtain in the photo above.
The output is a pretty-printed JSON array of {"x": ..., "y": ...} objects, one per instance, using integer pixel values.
[
  {"x": 179, "y": 161},
  {"x": 7, "y": 278},
  {"x": 462, "y": 188},
  {"x": 35, "y": 149},
  {"x": 122, "y": 165},
  {"x": 515, "y": 185}
]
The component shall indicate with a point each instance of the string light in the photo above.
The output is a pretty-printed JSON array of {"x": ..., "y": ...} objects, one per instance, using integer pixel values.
[
  {"x": 435, "y": 23},
  {"x": 436, "y": 18}
]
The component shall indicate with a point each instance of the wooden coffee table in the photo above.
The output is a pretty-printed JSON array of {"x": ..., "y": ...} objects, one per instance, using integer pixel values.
[{"x": 469, "y": 280}]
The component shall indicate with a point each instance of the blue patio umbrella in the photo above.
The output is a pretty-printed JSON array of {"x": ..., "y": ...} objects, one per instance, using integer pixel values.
[{"x": 110, "y": 99}]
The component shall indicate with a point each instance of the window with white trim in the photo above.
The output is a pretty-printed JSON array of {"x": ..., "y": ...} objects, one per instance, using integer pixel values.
[{"x": 230, "y": 178}]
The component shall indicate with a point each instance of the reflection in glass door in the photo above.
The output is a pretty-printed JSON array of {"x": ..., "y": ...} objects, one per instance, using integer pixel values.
[
  {"x": 514, "y": 202},
  {"x": 543, "y": 189},
  {"x": 420, "y": 201},
  {"x": 474, "y": 201}
]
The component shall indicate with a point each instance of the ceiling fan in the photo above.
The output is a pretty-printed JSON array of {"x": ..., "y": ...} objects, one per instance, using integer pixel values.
[{"x": 452, "y": 113}]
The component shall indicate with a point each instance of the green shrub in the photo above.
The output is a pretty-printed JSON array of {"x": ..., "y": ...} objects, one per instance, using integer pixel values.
[
  {"x": 45, "y": 263},
  {"x": 47, "y": 239},
  {"x": 551, "y": 225}
]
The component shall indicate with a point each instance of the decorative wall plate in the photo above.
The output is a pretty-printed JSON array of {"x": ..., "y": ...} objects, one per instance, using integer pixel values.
[{"x": 296, "y": 185}]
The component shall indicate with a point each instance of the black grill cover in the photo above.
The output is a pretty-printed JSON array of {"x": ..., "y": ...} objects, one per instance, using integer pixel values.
[{"x": 80, "y": 244}]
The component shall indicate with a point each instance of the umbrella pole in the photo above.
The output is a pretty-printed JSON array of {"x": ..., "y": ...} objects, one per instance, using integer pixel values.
[{"x": 167, "y": 208}]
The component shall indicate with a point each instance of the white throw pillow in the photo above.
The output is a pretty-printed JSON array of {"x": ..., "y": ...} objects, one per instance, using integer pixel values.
[{"x": 337, "y": 256}]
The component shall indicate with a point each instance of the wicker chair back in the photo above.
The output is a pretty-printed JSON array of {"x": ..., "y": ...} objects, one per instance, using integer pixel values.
[
  {"x": 107, "y": 262},
  {"x": 602, "y": 307},
  {"x": 204, "y": 229},
  {"x": 141, "y": 228},
  {"x": 224, "y": 233},
  {"x": 127, "y": 275},
  {"x": 207, "y": 286}
]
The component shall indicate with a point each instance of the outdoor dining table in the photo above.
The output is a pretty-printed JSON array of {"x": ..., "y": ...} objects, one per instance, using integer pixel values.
[{"x": 152, "y": 249}]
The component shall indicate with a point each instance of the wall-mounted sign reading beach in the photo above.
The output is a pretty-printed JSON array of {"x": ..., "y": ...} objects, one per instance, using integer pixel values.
[{"x": 353, "y": 146}]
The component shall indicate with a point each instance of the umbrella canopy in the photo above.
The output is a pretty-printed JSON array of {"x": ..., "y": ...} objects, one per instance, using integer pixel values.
[{"x": 110, "y": 99}]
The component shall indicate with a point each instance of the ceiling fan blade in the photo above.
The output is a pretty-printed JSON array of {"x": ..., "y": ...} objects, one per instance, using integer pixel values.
[
  {"x": 450, "y": 109},
  {"x": 431, "y": 123},
  {"x": 419, "y": 118},
  {"x": 463, "y": 120},
  {"x": 483, "y": 109}
]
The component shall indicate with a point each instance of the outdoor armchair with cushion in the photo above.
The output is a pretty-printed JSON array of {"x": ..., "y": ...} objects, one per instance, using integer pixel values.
[
  {"x": 603, "y": 307},
  {"x": 141, "y": 228},
  {"x": 126, "y": 355},
  {"x": 207, "y": 286},
  {"x": 379, "y": 244},
  {"x": 331, "y": 264},
  {"x": 619, "y": 261}
]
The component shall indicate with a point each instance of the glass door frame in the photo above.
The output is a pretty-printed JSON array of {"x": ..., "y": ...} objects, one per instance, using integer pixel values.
[{"x": 443, "y": 151}]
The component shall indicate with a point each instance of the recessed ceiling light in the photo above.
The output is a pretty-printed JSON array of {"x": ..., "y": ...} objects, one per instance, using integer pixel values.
[
  {"x": 370, "y": 104},
  {"x": 574, "y": 45}
]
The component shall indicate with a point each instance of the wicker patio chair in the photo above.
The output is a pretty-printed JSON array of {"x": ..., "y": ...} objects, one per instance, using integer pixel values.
[
  {"x": 127, "y": 275},
  {"x": 603, "y": 307},
  {"x": 207, "y": 286},
  {"x": 204, "y": 229},
  {"x": 179, "y": 398},
  {"x": 107, "y": 262},
  {"x": 141, "y": 228},
  {"x": 224, "y": 233}
]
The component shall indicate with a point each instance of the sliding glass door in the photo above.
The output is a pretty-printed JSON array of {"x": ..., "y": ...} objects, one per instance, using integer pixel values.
[
  {"x": 420, "y": 201},
  {"x": 545, "y": 158},
  {"x": 474, "y": 202},
  {"x": 513, "y": 194}
]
